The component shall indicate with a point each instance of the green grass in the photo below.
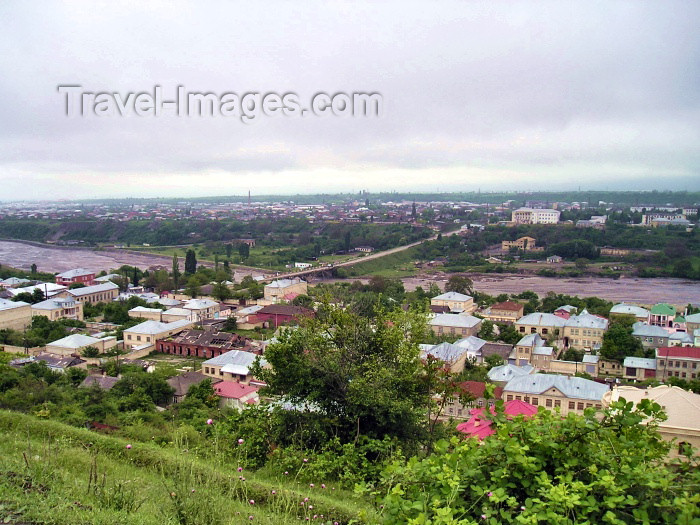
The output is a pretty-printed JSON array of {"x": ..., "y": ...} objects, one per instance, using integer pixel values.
[
  {"x": 400, "y": 264},
  {"x": 46, "y": 476}
]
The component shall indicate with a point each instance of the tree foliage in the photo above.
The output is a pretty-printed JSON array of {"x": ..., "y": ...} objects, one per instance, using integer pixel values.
[{"x": 549, "y": 469}]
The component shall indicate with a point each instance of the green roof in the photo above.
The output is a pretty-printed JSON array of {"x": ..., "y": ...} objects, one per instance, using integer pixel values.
[
  {"x": 663, "y": 309},
  {"x": 679, "y": 319}
]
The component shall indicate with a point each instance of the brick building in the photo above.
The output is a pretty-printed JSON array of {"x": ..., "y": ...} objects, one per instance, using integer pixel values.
[{"x": 201, "y": 343}]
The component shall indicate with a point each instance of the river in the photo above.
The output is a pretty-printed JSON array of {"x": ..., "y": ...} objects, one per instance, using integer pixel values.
[{"x": 643, "y": 291}]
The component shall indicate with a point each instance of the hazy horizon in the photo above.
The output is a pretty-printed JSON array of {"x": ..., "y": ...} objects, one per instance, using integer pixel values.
[{"x": 519, "y": 96}]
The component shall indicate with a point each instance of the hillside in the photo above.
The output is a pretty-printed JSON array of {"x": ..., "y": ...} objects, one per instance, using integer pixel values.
[{"x": 57, "y": 474}]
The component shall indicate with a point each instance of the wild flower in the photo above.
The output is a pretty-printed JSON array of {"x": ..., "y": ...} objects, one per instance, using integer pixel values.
[
  {"x": 240, "y": 469},
  {"x": 210, "y": 421},
  {"x": 323, "y": 485},
  {"x": 311, "y": 485},
  {"x": 252, "y": 502},
  {"x": 490, "y": 494},
  {"x": 128, "y": 447},
  {"x": 240, "y": 441}
]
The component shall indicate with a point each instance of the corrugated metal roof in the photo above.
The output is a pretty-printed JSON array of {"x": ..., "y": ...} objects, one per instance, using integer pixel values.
[
  {"x": 639, "y": 362},
  {"x": 572, "y": 387}
]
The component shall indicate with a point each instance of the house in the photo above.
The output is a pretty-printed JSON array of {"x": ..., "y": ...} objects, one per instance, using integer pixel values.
[
  {"x": 202, "y": 343},
  {"x": 15, "y": 315},
  {"x": 680, "y": 339},
  {"x": 692, "y": 322},
  {"x": 102, "y": 382},
  {"x": 364, "y": 249},
  {"x": 554, "y": 259},
  {"x": 455, "y": 324},
  {"x": 276, "y": 290},
  {"x": 175, "y": 314},
  {"x": 13, "y": 282},
  {"x": 504, "y": 373},
  {"x": 475, "y": 392},
  {"x": 526, "y": 244},
  {"x": 650, "y": 336},
  {"x": 682, "y": 409},
  {"x": 147, "y": 333},
  {"x": 302, "y": 266},
  {"x": 456, "y": 302},
  {"x": 98, "y": 293},
  {"x": 584, "y": 331},
  {"x": 48, "y": 289},
  {"x": 76, "y": 276},
  {"x": 236, "y": 395},
  {"x": 639, "y": 368},
  {"x": 678, "y": 361},
  {"x": 526, "y": 347},
  {"x": 56, "y": 363},
  {"x": 481, "y": 427},
  {"x": 59, "y": 308},
  {"x": 279, "y": 314},
  {"x": 662, "y": 314},
  {"x": 546, "y": 325},
  {"x": 629, "y": 310},
  {"x": 453, "y": 356},
  {"x": 507, "y": 312},
  {"x": 182, "y": 383},
  {"x": 142, "y": 312},
  {"x": 568, "y": 394},
  {"x": 201, "y": 309},
  {"x": 535, "y": 216},
  {"x": 233, "y": 365},
  {"x": 74, "y": 344}
]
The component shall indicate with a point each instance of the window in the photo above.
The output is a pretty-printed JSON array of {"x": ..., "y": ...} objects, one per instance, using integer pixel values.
[
  {"x": 509, "y": 397},
  {"x": 580, "y": 406},
  {"x": 589, "y": 405},
  {"x": 221, "y": 373},
  {"x": 572, "y": 405},
  {"x": 535, "y": 401},
  {"x": 138, "y": 337},
  {"x": 533, "y": 330},
  {"x": 685, "y": 365},
  {"x": 548, "y": 403},
  {"x": 522, "y": 329},
  {"x": 519, "y": 398},
  {"x": 661, "y": 363},
  {"x": 683, "y": 375},
  {"x": 557, "y": 403},
  {"x": 545, "y": 331}
]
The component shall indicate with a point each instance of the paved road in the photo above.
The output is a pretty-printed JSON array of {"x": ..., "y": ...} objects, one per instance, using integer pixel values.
[{"x": 357, "y": 260}]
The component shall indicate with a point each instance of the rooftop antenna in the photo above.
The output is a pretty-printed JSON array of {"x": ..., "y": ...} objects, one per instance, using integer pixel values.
[{"x": 248, "y": 198}]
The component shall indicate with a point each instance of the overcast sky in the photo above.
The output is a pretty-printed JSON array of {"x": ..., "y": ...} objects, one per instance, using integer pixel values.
[{"x": 477, "y": 95}]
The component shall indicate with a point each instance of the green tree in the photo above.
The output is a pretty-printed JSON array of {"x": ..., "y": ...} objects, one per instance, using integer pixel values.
[
  {"x": 220, "y": 291},
  {"x": 33, "y": 269},
  {"x": 460, "y": 284},
  {"x": 244, "y": 250},
  {"x": 618, "y": 341},
  {"x": 190, "y": 262},
  {"x": 193, "y": 288},
  {"x": 595, "y": 468},
  {"x": 486, "y": 331},
  {"x": 363, "y": 375},
  {"x": 176, "y": 272}
]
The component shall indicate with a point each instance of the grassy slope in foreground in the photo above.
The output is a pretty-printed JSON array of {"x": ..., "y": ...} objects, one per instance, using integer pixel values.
[{"x": 45, "y": 477}]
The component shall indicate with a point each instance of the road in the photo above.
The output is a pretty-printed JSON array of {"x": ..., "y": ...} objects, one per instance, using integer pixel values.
[{"x": 357, "y": 260}]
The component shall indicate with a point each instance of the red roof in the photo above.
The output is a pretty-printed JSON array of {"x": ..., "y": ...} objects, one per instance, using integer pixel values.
[
  {"x": 477, "y": 389},
  {"x": 231, "y": 390},
  {"x": 480, "y": 427},
  {"x": 691, "y": 352}
]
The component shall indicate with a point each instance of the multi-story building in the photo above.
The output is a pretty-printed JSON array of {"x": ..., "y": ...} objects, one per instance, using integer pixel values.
[
  {"x": 650, "y": 336},
  {"x": 506, "y": 312},
  {"x": 201, "y": 343},
  {"x": 682, "y": 362},
  {"x": 535, "y": 216},
  {"x": 629, "y": 310},
  {"x": 473, "y": 393},
  {"x": 662, "y": 314},
  {"x": 15, "y": 315},
  {"x": 59, "y": 308},
  {"x": 546, "y": 325},
  {"x": 147, "y": 333},
  {"x": 568, "y": 394},
  {"x": 456, "y": 302},
  {"x": 232, "y": 366},
  {"x": 99, "y": 293},
  {"x": 584, "y": 331},
  {"x": 201, "y": 309},
  {"x": 78, "y": 275},
  {"x": 526, "y": 244},
  {"x": 276, "y": 290},
  {"x": 455, "y": 324}
]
